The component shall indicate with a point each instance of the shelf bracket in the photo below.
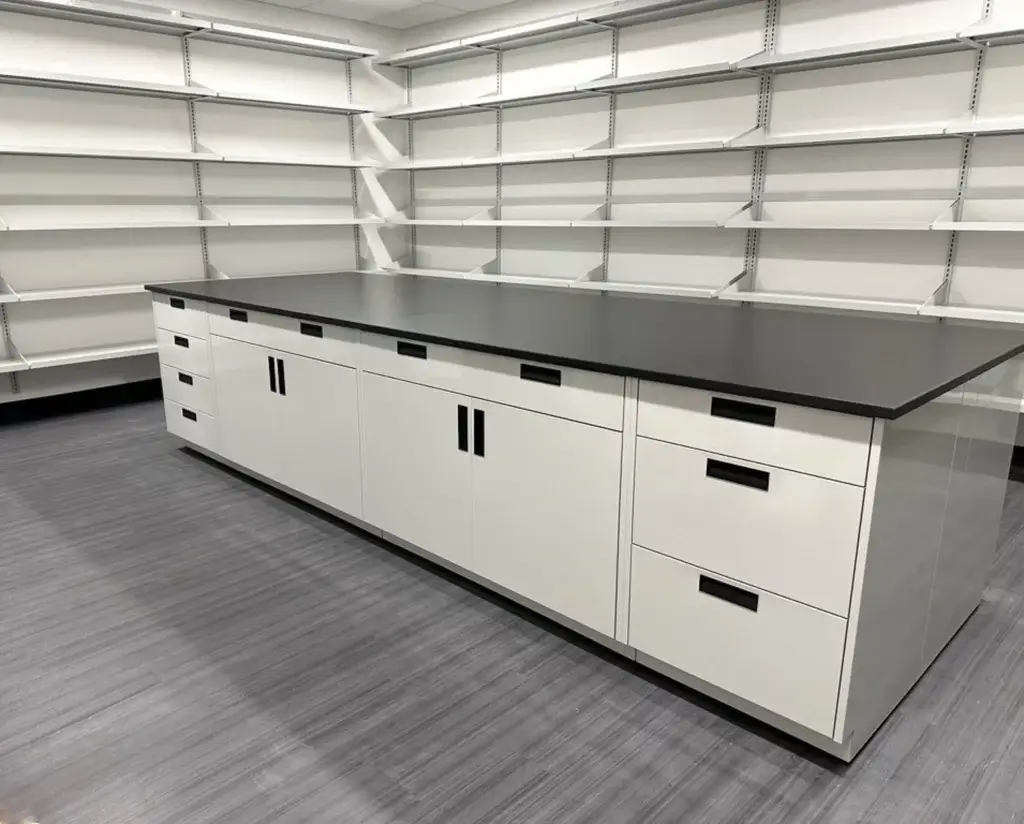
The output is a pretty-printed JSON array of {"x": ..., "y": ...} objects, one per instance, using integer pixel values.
[
  {"x": 930, "y": 300},
  {"x": 721, "y": 290}
]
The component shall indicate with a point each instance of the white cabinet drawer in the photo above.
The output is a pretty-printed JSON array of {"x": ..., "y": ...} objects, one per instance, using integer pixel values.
[
  {"x": 783, "y": 531},
  {"x": 815, "y": 441},
  {"x": 181, "y": 315},
  {"x": 575, "y": 394},
  {"x": 184, "y": 352},
  {"x": 191, "y": 425},
  {"x": 780, "y": 655},
  {"x": 442, "y": 367},
  {"x": 193, "y": 391},
  {"x": 335, "y": 344}
]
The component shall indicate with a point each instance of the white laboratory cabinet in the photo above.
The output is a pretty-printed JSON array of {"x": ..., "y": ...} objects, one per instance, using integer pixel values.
[{"x": 802, "y": 565}]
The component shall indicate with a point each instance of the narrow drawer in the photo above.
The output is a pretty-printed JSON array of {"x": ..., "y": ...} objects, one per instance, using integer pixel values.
[
  {"x": 829, "y": 444},
  {"x": 184, "y": 352},
  {"x": 575, "y": 394},
  {"x": 784, "y": 531},
  {"x": 193, "y": 391},
  {"x": 335, "y": 344},
  {"x": 442, "y": 367},
  {"x": 773, "y": 652},
  {"x": 191, "y": 424},
  {"x": 181, "y": 315}
]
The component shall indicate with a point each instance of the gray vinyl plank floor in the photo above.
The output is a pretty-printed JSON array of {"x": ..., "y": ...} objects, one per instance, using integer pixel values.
[{"x": 180, "y": 645}]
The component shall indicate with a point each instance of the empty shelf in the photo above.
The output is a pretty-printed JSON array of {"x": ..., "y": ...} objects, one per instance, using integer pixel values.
[
  {"x": 491, "y": 102},
  {"x": 80, "y": 292},
  {"x": 326, "y": 163},
  {"x": 281, "y": 41},
  {"x": 975, "y": 313},
  {"x": 993, "y": 34},
  {"x": 91, "y": 355},
  {"x": 127, "y": 17},
  {"x": 253, "y": 100},
  {"x": 300, "y": 221},
  {"x": 670, "y": 77},
  {"x": 979, "y": 225},
  {"x": 81, "y": 227},
  {"x": 653, "y": 149},
  {"x": 847, "y": 54},
  {"x": 644, "y": 288},
  {"x": 874, "y": 135},
  {"x": 822, "y": 301},
  {"x": 8, "y": 365},
  {"x": 797, "y": 225},
  {"x": 102, "y": 84},
  {"x": 116, "y": 154},
  {"x": 987, "y": 125}
]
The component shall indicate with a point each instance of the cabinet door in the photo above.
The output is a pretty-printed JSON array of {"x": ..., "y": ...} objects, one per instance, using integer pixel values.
[
  {"x": 417, "y": 483},
  {"x": 319, "y": 432},
  {"x": 247, "y": 409},
  {"x": 546, "y": 510}
]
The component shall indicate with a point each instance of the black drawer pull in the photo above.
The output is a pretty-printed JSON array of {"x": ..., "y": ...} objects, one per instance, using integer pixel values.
[
  {"x": 742, "y": 411},
  {"x": 185, "y": 379},
  {"x": 280, "y": 377},
  {"x": 177, "y": 303},
  {"x": 736, "y": 474},
  {"x": 463, "y": 428},
  {"x": 412, "y": 350},
  {"x": 727, "y": 592},
  {"x": 187, "y": 413},
  {"x": 314, "y": 330},
  {"x": 273, "y": 375},
  {"x": 180, "y": 341},
  {"x": 478, "y": 432},
  {"x": 238, "y": 314},
  {"x": 540, "y": 374}
]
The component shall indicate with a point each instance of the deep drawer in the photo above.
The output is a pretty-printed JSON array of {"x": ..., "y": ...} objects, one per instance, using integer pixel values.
[
  {"x": 784, "y": 531},
  {"x": 181, "y": 315},
  {"x": 184, "y": 352},
  {"x": 191, "y": 425},
  {"x": 193, "y": 391},
  {"x": 335, "y": 344},
  {"x": 773, "y": 652},
  {"x": 815, "y": 441}
]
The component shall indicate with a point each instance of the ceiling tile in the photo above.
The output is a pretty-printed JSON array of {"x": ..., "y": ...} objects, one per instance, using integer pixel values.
[
  {"x": 364, "y": 10},
  {"x": 474, "y": 5},
  {"x": 288, "y": 4},
  {"x": 417, "y": 16}
]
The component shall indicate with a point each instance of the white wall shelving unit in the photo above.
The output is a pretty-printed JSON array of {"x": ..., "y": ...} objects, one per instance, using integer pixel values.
[
  {"x": 801, "y": 152},
  {"x": 141, "y": 145}
]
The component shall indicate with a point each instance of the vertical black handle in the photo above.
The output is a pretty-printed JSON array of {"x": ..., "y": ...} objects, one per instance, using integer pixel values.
[
  {"x": 280, "y": 376},
  {"x": 177, "y": 303},
  {"x": 463, "y": 428},
  {"x": 273, "y": 375},
  {"x": 478, "y": 432}
]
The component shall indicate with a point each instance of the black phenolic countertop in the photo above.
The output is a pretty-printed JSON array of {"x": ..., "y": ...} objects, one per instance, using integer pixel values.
[{"x": 863, "y": 365}]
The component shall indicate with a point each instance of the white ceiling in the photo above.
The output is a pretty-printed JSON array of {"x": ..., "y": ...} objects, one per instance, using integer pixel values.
[{"x": 396, "y": 14}]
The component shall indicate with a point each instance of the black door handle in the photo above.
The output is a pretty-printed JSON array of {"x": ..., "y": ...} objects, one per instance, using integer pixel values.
[
  {"x": 540, "y": 374},
  {"x": 273, "y": 375},
  {"x": 463, "y": 428},
  {"x": 280, "y": 376},
  {"x": 743, "y": 411},
  {"x": 177, "y": 303},
  {"x": 238, "y": 314},
  {"x": 181, "y": 341},
  {"x": 411, "y": 350},
  {"x": 736, "y": 474},
  {"x": 185, "y": 379},
  {"x": 727, "y": 592},
  {"x": 314, "y": 330},
  {"x": 478, "y": 432}
]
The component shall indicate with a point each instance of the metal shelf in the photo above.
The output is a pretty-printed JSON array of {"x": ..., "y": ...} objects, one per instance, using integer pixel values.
[
  {"x": 644, "y": 289},
  {"x": 81, "y": 227},
  {"x": 880, "y": 134},
  {"x": 821, "y": 302},
  {"x": 79, "y": 292},
  {"x": 490, "y": 102},
  {"x": 688, "y": 75},
  {"x": 895, "y": 226},
  {"x": 74, "y": 82},
  {"x": 974, "y": 313},
  {"x": 986, "y": 126},
  {"x": 260, "y": 102},
  {"x": 280, "y": 40},
  {"x": 868, "y": 52},
  {"x": 990, "y": 34},
  {"x": 91, "y": 355},
  {"x": 302, "y": 221},
  {"x": 979, "y": 225},
  {"x": 119, "y": 15},
  {"x": 323, "y": 163},
  {"x": 114, "y": 154},
  {"x": 609, "y": 15}
]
